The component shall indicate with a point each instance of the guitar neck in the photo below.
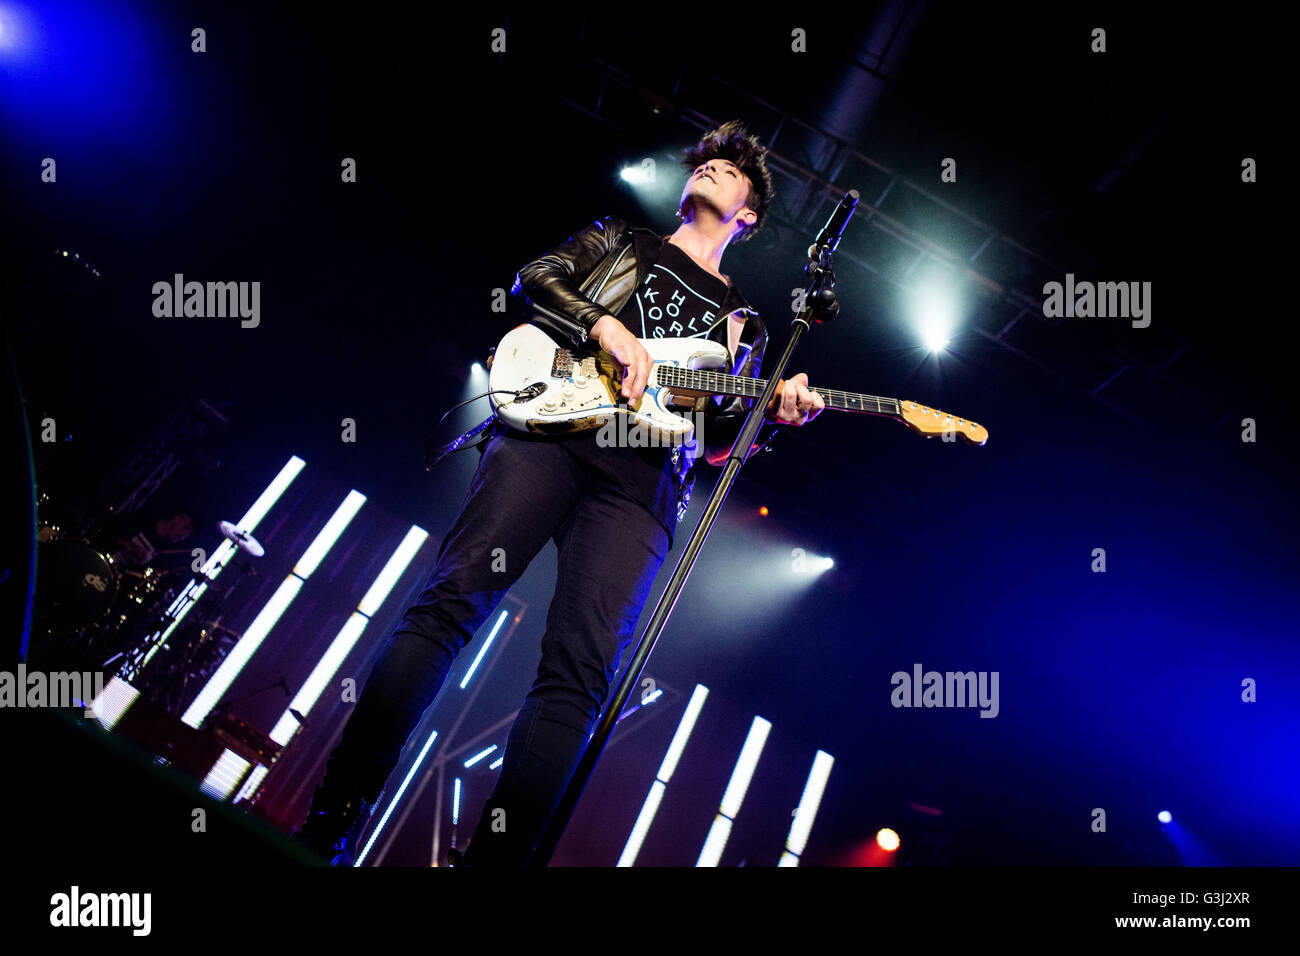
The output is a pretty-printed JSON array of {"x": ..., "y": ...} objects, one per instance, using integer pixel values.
[{"x": 720, "y": 383}]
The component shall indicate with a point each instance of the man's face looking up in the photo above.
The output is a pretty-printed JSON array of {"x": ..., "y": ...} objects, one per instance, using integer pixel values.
[{"x": 720, "y": 185}]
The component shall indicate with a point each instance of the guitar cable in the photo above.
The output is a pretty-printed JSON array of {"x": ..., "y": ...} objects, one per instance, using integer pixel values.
[{"x": 520, "y": 395}]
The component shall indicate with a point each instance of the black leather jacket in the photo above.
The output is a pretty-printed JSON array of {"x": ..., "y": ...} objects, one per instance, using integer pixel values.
[{"x": 593, "y": 273}]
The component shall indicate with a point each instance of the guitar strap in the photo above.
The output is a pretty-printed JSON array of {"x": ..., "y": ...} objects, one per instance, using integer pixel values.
[{"x": 458, "y": 443}]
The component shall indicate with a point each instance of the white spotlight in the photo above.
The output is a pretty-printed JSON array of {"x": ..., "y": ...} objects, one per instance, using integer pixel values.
[
  {"x": 640, "y": 175},
  {"x": 936, "y": 315}
]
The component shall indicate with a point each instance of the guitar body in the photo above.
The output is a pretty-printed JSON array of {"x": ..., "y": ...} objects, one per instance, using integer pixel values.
[{"x": 582, "y": 385}]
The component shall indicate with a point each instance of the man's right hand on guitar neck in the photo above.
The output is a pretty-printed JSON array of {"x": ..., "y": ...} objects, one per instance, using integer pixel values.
[{"x": 616, "y": 339}]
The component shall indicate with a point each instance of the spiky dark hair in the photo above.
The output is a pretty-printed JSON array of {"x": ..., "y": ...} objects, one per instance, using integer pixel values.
[{"x": 733, "y": 142}]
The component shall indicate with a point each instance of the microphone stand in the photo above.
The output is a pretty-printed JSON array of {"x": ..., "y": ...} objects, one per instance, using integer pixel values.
[{"x": 819, "y": 305}]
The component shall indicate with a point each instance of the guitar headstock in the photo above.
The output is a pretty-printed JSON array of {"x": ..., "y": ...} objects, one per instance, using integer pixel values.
[{"x": 931, "y": 421}]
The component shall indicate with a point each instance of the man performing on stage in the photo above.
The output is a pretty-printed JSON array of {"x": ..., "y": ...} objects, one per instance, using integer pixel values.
[{"x": 611, "y": 510}]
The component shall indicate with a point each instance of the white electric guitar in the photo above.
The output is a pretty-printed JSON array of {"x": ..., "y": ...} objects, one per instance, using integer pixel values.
[{"x": 560, "y": 391}]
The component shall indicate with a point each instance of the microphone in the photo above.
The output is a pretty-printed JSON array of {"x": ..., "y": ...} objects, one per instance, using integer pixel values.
[{"x": 834, "y": 228}]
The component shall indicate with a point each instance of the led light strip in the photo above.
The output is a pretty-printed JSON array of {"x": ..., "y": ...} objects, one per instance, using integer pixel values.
[
  {"x": 483, "y": 650},
  {"x": 240, "y": 654},
  {"x": 653, "y": 798},
  {"x": 114, "y": 701},
  {"x": 329, "y": 534},
  {"x": 190, "y": 594},
  {"x": 339, "y": 649},
  {"x": 479, "y": 756},
  {"x": 348, "y": 635},
  {"x": 254, "y": 781},
  {"x": 807, "y": 812},
  {"x": 397, "y": 798},
  {"x": 735, "y": 793},
  {"x": 223, "y": 776},
  {"x": 319, "y": 678},
  {"x": 267, "y": 618}
]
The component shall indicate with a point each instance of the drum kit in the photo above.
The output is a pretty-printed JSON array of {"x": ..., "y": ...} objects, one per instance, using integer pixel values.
[{"x": 97, "y": 603}]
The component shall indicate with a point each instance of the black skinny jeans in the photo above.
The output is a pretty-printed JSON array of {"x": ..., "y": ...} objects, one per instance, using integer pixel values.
[{"x": 526, "y": 491}]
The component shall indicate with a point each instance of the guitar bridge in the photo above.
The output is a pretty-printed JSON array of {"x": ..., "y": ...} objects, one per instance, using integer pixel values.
[{"x": 562, "y": 365}]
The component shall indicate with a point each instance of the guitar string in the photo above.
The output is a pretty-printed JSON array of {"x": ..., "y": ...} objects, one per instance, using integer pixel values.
[{"x": 750, "y": 388}]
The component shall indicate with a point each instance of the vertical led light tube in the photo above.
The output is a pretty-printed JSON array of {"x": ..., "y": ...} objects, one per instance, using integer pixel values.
[
  {"x": 735, "y": 793},
  {"x": 653, "y": 798}
]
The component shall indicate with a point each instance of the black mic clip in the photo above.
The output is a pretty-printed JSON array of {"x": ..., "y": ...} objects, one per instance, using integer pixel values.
[
  {"x": 825, "y": 304},
  {"x": 819, "y": 263},
  {"x": 821, "y": 298}
]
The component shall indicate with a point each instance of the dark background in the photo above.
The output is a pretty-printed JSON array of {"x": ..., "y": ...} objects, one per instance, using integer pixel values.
[{"x": 1118, "y": 690}]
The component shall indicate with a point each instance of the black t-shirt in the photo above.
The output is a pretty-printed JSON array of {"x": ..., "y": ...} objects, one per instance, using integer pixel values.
[{"x": 677, "y": 299}]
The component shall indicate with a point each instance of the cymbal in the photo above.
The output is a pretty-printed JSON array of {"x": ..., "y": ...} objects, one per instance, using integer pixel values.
[{"x": 245, "y": 541}]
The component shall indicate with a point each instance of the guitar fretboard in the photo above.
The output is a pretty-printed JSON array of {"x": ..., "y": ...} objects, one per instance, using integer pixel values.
[{"x": 721, "y": 383}]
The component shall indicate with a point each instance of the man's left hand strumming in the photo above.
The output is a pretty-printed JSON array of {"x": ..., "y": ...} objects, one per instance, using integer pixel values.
[{"x": 794, "y": 402}]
